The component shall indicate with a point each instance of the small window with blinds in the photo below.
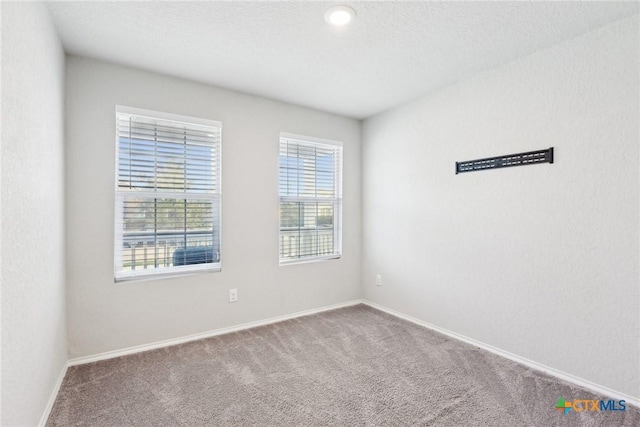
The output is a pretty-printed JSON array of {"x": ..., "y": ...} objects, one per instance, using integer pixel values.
[
  {"x": 167, "y": 194},
  {"x": 310, "y": 199}
]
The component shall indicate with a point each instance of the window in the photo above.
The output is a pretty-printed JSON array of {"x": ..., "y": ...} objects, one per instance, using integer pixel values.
[
  {"x": 310, "y": 199},
  {"x": 167, "y": 194}
]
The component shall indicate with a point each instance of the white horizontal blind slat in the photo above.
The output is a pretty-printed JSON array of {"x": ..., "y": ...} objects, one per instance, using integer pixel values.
[{"x": 168, "y": 195}]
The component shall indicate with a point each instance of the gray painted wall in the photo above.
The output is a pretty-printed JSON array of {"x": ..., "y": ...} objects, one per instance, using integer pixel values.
[
  {"x": 34, "y": 341},
  {"x": 107, "y": 316},
  {"x": 540, "y": 261}
]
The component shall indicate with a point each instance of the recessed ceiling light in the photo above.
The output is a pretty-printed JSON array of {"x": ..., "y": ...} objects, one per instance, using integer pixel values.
[{"x": 339, "y": 15}]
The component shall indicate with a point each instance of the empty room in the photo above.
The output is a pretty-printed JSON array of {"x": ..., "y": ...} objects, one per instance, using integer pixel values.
[{"x": 292, "y": 213}]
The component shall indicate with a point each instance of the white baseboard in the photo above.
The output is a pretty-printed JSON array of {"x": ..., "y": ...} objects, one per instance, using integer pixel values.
[
  {"x": 596, "y": 388},
  {"x": 52, "y": 398},
  {"x": 201, "y": 335}
]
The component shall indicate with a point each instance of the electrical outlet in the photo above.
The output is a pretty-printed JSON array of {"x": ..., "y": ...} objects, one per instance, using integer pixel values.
[
  {"x": 378, "y": 279},
  {"x": 233, "y": 295}
]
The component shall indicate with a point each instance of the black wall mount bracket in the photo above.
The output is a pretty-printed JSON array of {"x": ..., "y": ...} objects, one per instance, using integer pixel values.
[{"x": 506, "y": 161}]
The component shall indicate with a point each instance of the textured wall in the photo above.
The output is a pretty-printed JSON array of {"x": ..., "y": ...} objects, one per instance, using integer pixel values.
[
  {"x": 106, "y": 316},
  {"x": 540, "y": 261},
  {"x": 34, "y": 348}
]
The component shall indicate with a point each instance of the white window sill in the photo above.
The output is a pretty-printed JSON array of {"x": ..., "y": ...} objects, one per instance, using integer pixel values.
[
  {"x": 167, "y": 274},
  {"x": 308, "y": 260}
]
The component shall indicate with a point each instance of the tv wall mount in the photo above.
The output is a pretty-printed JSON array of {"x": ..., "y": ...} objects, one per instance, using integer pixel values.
[{"x": 506, "y": 161}]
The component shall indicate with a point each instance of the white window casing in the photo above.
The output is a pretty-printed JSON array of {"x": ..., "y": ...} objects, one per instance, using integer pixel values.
[
  {"x": 310, "y": 189},
  {"x": 168, "y": 194}
]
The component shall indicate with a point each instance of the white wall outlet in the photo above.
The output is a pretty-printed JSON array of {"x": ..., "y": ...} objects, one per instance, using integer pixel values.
[
  {"x": 233, "y": 295},
  {"x": 378, "y": 279}
]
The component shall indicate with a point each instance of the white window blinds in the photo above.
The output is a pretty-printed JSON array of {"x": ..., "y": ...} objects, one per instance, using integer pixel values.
[
  {"x": 310, "y": 198},
  {"x": 167, "y": 194}
]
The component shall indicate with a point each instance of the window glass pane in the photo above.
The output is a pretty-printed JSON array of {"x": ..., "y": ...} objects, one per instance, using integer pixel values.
[
  {"x": 154, "y": 229},
  {"x": 309, "y": 240},
  {"x": 167, "y": 166},
  {"x": 325, "y": 215},
  {"x": 289, "y": 215}
]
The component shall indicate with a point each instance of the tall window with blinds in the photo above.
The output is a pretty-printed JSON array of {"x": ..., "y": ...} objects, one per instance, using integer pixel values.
[
  {"x": 168, "y": 194},
  {"x": 310, "y": 199}
]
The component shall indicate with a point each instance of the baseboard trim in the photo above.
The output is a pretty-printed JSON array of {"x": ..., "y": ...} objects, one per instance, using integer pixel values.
[
  {"x": 207, "y": 334},
  {"x": 54, "y": 395},
  {"x": 596, "y": 388}
]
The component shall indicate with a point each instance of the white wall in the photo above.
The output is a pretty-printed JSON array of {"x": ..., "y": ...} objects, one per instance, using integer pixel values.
[
  {"x": 34, "y": 349},
  {"x": 540, "y": 261},
  {"x": 104, "y": 315}
]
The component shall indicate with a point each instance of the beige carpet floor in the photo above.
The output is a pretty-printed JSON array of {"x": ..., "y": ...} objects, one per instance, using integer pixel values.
[{"x": 355, "y": 366}]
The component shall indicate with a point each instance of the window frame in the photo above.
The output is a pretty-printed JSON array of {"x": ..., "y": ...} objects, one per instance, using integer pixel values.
[
  {"x": 337, "y": 201},
  {"x": 173, "y": 271}
]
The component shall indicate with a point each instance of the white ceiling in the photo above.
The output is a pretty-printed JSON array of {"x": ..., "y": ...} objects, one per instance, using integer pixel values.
[{"x": 393, "y": 51}]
